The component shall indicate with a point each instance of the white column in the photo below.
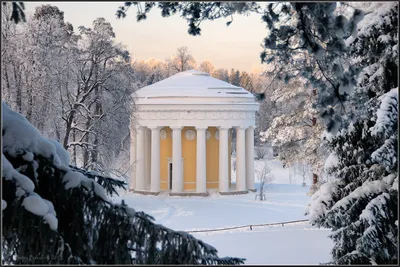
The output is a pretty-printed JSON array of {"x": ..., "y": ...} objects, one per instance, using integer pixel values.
[
  {"x": 223, "y": 160},
  {"x": 177, "y": 179},
  {"x": 240, "y": 159},
  {"x": 250, "y": 158},
  {"x": 132, "y": 184},
  {"x": 201, "y": 180},
  {"x": 147, "y": 160},
  {"x": 140, "y": 174},
  {"x": 155, "y": 159}
]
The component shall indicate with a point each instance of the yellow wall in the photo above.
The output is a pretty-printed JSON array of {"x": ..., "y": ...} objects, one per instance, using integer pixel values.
[
  {"x": 165, "y": 153},
  {"x": 189, "y": 162}
]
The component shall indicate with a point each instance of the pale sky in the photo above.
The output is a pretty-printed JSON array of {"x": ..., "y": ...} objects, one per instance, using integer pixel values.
[{"x": 237, "y": 46}]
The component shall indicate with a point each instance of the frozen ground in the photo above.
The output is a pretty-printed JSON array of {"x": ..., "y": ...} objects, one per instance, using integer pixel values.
[{"x": 298, "y": 243}]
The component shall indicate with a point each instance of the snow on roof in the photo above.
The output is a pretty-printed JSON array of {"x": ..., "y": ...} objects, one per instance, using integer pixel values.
[{"x": 193, "y": 83}]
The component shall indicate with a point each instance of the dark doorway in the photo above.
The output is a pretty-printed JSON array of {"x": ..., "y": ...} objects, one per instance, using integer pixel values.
[{"x": 170, "y": 176}]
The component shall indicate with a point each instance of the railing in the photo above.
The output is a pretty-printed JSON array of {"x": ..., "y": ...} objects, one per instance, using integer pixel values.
[{"x": 250, "y": 226}]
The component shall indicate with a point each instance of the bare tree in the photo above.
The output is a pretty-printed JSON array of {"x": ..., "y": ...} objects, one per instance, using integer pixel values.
[
  {"x": 261, "y": 151},
  {"x": 100, "y": 104},
  {"x": 207, "y": 66},
  {"x": 265, "y": 177},
  {"x": 150, "y": 71},
  {"x": 221, "y": 74},
  {"x": 182, "y": 61},
  {"x": 304, "y": 171}
]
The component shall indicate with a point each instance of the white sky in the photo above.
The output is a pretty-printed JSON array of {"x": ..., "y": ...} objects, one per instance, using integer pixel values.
[{"x": 237, "y": 46}]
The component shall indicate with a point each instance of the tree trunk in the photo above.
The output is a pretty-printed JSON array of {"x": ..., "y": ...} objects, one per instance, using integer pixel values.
[
  {"x": 314, "y": 185},
  {"x": 314, "y": 122},
  {"x": 74, "y": 147},
  {"x": 86, "y": 147},
  {"x": 57, "y": 131},
  {"x": 8, "y": 95},
  {"x": 95, "y": 152},
  {"x": 68, "y": 128},
  {"x": 315, "y": 179},
  {"x": 30, "y": 104},
  {"x": 30, "y": 91},
  {"x": 18, "y": 88}
]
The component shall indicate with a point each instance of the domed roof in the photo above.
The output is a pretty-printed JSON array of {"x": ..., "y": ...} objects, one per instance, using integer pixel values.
[{"x": 193, "y": 84}]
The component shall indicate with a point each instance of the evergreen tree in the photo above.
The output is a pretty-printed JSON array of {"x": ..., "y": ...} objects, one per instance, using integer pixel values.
[
  {"x": 56, "y": 214},
  {"x": 361, "y": 204},
  {"x": 294, "y": 130},
  {"x": 246, "y": 81},
  {"x": 155, "y": 76},
  {"x": 234, "y": 77}
]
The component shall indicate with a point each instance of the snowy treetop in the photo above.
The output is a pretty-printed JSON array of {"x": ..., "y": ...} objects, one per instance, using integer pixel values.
[
  {"x": 387, "y": 114},
  {"x": 20, "y": 137}
]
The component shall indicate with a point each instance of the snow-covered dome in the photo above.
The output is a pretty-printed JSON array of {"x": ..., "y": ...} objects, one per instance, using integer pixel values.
[
  {"x": 194, "y": 98},
  {"x": 192, "y": 86}
]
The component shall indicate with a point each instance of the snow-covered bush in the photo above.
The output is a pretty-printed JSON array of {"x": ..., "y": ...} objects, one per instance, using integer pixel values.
[{"x": 56, "y": 214}]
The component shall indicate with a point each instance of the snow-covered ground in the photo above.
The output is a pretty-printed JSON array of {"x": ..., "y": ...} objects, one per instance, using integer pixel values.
[
  {"x": 298, "y": 243},
  {"x": 292, "y": 175},
  {"x": 289, "y": 245}
]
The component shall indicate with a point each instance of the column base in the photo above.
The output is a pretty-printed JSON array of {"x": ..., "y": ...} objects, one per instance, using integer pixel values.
[
  {"x": 146, "y": 192},
  {"x": 189, "y": 194},
  {"x": 234, "y": 193},
  {"x": 252, "y": 190}
]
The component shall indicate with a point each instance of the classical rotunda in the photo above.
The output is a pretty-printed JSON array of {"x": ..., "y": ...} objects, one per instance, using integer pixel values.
[{"x": 181, "y": 136}]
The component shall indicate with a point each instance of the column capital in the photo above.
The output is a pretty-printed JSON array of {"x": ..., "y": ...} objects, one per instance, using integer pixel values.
[
  {"x": 240, "y": 127},
  {"x": 154, "y": 127},
  {"x": 223, "y": 128},
  {"x": 201, "y": 128},
  {"x": 139, "y": 127},
  {"x": 132, "y": 128},
  {"x": 176, "y": 128}
]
